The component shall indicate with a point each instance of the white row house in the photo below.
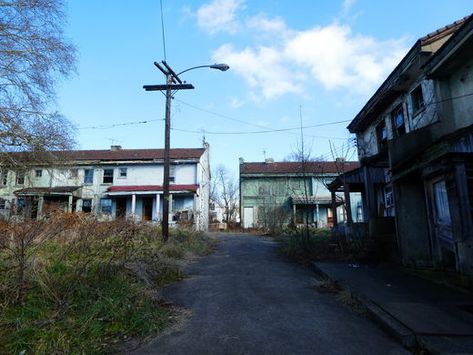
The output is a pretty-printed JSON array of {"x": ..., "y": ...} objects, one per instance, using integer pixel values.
[{"x": 115, "y": 183}]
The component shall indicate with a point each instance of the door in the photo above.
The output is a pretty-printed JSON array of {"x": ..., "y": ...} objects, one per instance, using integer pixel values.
[
  {"x": 442, "y": 223},
  {"x": 121, "y": 208},
  {"x": 147, "y": 208},
  {"x": 248, "y": 217}
]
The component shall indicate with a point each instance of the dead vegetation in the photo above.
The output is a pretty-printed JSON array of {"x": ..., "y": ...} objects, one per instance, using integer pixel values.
[{"x": 69, "y": 283}]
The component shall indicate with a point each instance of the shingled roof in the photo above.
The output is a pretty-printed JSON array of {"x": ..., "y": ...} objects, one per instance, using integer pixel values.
[
  {"x": 110, "y": 155},
  {"x": 320, "y": 167}
]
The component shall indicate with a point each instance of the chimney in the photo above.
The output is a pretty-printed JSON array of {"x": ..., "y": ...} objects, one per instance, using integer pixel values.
[
  {"x": 114, "y": 148},
  {"x": 241, "y": 160},
  {"x": 340, "y": 160},
  {"x": 269, "y": 160}
]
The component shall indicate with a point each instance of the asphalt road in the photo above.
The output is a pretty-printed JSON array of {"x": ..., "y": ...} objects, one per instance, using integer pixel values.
[{"x": 248, "y": 299}]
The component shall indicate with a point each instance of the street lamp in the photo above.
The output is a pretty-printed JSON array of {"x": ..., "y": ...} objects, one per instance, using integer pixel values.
[{"x": 173, "y": 83}]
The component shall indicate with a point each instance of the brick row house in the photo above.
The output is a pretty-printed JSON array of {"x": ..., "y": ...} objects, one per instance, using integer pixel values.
[
  {"x": 115, "y": 183},
  {"x": 290, "y": 192},
  {"x": 415, "y": 145}
]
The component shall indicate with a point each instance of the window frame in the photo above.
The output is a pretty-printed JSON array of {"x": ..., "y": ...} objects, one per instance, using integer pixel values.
[
  {"x": 3, "y": 204},
  {"x": 88, "y": 177},
  {"x": 172, "y": 174},
  {"x": 382, "y": 135},
  {"x": 73, "y": 173},
  {"x": 122, "y": 173},
  {"x": 88, "y": 200},
  {"x": 105, "y": 208},
  {"x": 107, "y": 178},
  {"x": 38, "y": 173},
  {"x": 417, "y": 100},
  {"x": 3, "y": 177},
  {"x": 398, "y": 130},
  {"x": 20, "y": 178}
]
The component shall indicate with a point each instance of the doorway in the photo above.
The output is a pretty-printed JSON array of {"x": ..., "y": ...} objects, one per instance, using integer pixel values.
[
  {"x": 147, "y": 208},
  {"x": 121, "y": 207}
]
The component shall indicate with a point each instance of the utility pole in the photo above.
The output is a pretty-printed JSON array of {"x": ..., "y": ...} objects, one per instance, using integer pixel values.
[{"x": 173, "y": 83}]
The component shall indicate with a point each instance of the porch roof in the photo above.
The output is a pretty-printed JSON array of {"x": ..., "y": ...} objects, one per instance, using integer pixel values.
[
  {"x": 58, "y": 190},
  {"x": 150, "y": 188},
  {"x": 311, "y": 200}
]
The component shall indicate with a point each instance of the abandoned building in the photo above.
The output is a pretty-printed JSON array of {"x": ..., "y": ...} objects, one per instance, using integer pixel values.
[
  {"x": 415, "y": 145},
  {"x": 115, "y": 183},
  {"x": 291, "y": 192}
]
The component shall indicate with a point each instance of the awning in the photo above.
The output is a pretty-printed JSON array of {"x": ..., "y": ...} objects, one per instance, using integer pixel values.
[
  {"x": 311, "y": 200},
  {"x": 42, "y": 191}
]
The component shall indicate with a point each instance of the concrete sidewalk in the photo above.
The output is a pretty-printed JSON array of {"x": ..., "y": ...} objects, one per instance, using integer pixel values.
[{"x": 418, "y": 312}]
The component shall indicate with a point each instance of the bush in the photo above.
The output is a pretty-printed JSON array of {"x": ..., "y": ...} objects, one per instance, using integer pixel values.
[{"x": 306, "y": 245}]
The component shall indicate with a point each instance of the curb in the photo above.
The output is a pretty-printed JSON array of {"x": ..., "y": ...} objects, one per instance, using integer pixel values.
[{"x": 390, "y": 324}]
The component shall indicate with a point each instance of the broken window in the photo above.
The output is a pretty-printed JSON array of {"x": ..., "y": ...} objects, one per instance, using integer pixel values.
[
  {"x": 3, "y": 204},
  {"x": 20, "y": 177},
  {"x": 38, "y": 173},
  {"x": 398, "y": 122},
  {"x": 417, "y": 99},
  {"x": 107, "y": 176},
  {"x": 123, "y": 172},
  {"x": 106, "y": 206},
  {"x": 87, "y": 205},
  {"x": 3, "y": 177},
  {"x": 88, "y": 176}
]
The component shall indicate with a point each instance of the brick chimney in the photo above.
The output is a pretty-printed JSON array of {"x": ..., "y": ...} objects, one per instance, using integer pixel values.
[{"x": 114, "y": 148}]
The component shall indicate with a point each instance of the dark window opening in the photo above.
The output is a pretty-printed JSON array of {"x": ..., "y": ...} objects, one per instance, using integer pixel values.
[
  {"x": 86, "y": 205},
  {"x": 417, "y": 98},
  {"x": 107, "y": 176},
  {"x": 398, "y": 122},
  {"x": 4, "y": 178},
  {"x": 172, "y": 173},
  {"x": 38, "y": 173},
  {"x": 20, "y": 178},
  {"x": 382, "y": 135},
  {"x": 123, "y": 172}
]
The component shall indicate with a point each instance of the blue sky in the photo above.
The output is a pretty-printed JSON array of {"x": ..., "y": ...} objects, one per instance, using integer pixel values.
[{"x": 315, "y": 61}]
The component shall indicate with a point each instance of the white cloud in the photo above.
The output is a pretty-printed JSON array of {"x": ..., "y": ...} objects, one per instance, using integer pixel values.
[
  {"x": 331, "y": 55},
  {"x": 219, "y": 16},
  {"x": 338, "y": 59},
  {"x": 263, "y": 68},
  {"x": 235, "y": 102}
]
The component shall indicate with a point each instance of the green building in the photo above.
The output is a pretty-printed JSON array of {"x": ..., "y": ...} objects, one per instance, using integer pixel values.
[{"x": 278, "y": 193}]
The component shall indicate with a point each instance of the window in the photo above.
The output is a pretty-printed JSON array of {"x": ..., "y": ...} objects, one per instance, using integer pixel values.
[
  {"x": 122, "y": 173},
  {"x": 38, "y": 173},
  {"x": 106, "y": 205},
  {"x": 86, "y": 205},
  {"x": 172, "y": 173},
  {"x": 3, "y": 204},
  {"x": 88, "y": 176},
  {"x": 397, "y": 117},
  {"x": 388, "y": 197},
  {"x": 382, "y": 135},
  {"x": 3, "y": 177},
  {"x": 20, "y": 177},
  {"x": 107, "y": 176},
  {"x": 417, "y": 99},
  {"x": 73, "y": 173}
]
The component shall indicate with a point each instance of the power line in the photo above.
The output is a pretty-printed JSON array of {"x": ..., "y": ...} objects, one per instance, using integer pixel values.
[
  {"x": 121, "y": 124},
  {"x": 162, "y": 30}
]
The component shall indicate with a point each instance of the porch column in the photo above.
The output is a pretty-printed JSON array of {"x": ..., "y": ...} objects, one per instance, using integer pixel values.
[
  {"x": 294, "y": 208},
  {"x": 170, "y": 207},
  {"x": 39, "y": 213},
  {"x": 158, "y": 202},
  {"x": 133, "y": 205},
  {"x": 69, "y": 203},
  {"x": 317, "y": 213},
  {"x": 334, "y": 209},
  {"x": 79, "y": 205},
  {"x": 346, "y": 189}
]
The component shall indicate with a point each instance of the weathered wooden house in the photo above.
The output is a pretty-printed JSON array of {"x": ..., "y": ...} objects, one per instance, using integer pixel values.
[
  {"x": 415, "y": 144},
  {"x": 284, "y": 192},
  {"x": 113, "y": 183}
]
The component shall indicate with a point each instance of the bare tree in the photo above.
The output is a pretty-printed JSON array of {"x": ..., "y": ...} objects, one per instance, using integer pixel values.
[
  {"x": 33, "y": 55},
  {"x": 225, "y": 193}
]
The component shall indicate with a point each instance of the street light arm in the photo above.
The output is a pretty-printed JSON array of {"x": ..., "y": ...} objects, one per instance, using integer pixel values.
[{"x": 221, "y": 67}]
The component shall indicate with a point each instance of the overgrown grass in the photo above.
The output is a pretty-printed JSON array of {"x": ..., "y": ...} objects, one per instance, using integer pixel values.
[{"x": 88, "y": 287}]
